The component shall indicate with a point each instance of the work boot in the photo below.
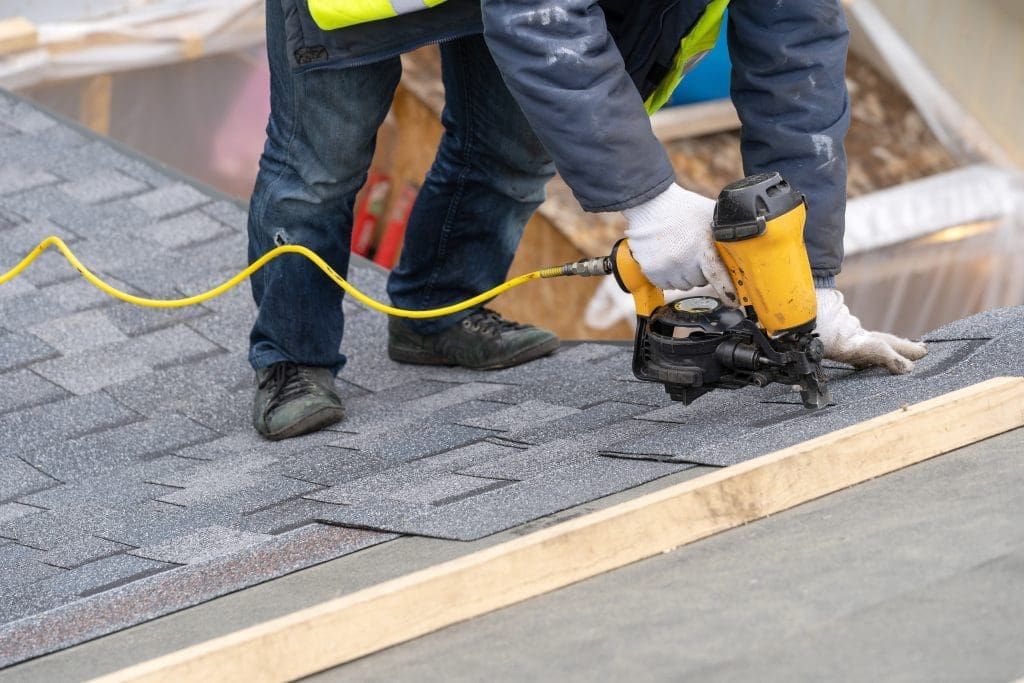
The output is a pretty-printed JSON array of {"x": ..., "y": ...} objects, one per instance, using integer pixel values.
[
  {"x": 483, "y": 341},
  {"x": 294, "y": 399}
]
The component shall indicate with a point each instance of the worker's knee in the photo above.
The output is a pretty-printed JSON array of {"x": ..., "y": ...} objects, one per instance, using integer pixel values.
[{"x": 515, "y": 161}]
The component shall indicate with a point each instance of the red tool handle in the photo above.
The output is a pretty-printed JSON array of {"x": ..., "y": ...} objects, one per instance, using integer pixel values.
[
  {"x": 394, "y": 233},
  {"x": 370, "y": 212}
]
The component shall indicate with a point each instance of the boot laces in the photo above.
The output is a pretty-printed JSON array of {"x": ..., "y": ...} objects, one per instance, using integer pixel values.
[
  {"x": 490, "y": 321},
  {"x": 287, "y": 382}
]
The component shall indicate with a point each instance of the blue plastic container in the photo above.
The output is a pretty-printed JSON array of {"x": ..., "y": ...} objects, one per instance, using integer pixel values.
[{"x": 709, "y": 80}]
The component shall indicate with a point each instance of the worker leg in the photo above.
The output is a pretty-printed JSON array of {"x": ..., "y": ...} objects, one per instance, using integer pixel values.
[
  {"x": 320, "y": 141},
  {"x": 486, "y": 181}
]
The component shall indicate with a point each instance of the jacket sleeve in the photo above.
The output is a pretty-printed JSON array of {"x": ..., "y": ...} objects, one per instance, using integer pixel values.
[
  {"x": 789, "y": 88},
  {"x": 563, "y": 68}
]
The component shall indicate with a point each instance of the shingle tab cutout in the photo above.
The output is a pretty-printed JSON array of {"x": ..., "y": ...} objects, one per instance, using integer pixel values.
[{"x": 131, "y": 484}]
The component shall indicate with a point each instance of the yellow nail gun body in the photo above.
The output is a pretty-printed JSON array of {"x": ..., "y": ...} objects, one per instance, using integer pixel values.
[{"x": 697, "y": 344}]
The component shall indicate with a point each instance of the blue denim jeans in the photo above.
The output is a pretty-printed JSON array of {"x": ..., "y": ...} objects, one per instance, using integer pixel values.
[{"x": 486, "y": 181}]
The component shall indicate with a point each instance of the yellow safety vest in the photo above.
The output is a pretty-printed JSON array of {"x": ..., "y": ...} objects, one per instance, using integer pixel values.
[
  {"x": 335, "y": 14},
  {"x": 694, "y": 45}
]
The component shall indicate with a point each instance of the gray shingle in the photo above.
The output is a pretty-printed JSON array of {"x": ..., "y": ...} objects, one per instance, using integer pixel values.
[
  {"x": 534, "y": 461},
  {"x": 215, "y": 478},
  {"x": 23, "y": 389},
  {"x": 89, "y": 372},
  {"x": 423, "y": 441},
  {"x": 18, "y": 478},
  {"x": 168, "y": 591},
  {"x": 230, "y": 330},
  {"x": 369, "y": 415},
  {"x": 18, "y": 349},
  {"x": 101, "y": 155},
  {"x": 82, "y": 550},
  {"x": 185, "y": 229},
  {"x": 248, "y": 444},
  {"x": 232, "y": 215},
  {"x": 28, "y": 119},
  {"x": 170, "y": 200},
  {"x": 16, "y": 288},
  {"x": 160, "y": 454},
  {"x": 578, "y": 422},
  {"x": 9, "y": 219},
  {"x": 55, "y": 528},
  {"x": 409, "y": 483},
  {"x": 487, "y": 513},
  {"x": 528, "y": 413},
  {"x": 465, "y": 457},
  {"x": 327, "y": 465},
  {"x": 101, "y": 452},
  {"x": 102, "y": 575},
  {"x": 179, "y": 386},
  {"x": 79, "y": 332},
  {"x": 121, "y": 488},
  {"x": 229, "y": 502},
  {"x": 119, "y": 362},
  {"x": 85, "y": 220},
  {"x": 21, "y": 565},
  {"x": 135, "y": 321},
  {"x": 201, "y": 545},
  {"x": 102, "y": 187},
  {"x": 284, "y": 516},
  {"x": 78, "y": 295},
  {"x": 987, "y": 325},
  {"x": 9, "y": 511},
  {"x": 27, "y": 429}
]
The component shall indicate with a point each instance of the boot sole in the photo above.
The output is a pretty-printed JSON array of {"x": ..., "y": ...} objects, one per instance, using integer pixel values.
[
  {"x": 311, "y": 423},
  {"x": 420, "y": 357}
]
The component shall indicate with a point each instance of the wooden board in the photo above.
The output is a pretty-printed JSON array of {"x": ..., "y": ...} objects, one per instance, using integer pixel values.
[
  {"x": 16, "y": 34},
  {"x": 370, "y": 620},
  {"x": 94, "y": 106},
  {"x": 694, "y": 120}
]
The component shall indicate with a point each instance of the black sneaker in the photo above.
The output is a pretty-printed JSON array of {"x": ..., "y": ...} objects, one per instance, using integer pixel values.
[
  {"x": 294, "y": 399},
  {"x": 483, "y": 341}
]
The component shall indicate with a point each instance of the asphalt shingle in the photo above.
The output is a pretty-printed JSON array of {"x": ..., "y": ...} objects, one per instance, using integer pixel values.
[
  {"x": 23, "y": 389},
  {"x": 18, "y": 349},
  {"x": 103, "y": 186},
  {"x": 126, "y": 453},
  {"x": 18, "y": 478},
  {"x": 170, "y": 200},
  {"x": 78, "y": 332},
  {"x": 186, "y": 229},
  {"x": 201, "y": 545}
]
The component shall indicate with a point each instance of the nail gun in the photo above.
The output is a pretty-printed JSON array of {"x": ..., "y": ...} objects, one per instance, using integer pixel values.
[{"x": 696, "y": 344}]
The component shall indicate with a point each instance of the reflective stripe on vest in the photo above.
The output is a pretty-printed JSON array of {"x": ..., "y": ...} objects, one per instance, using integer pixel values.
[
  {"x": 692, "y": 49},
  {"x": 332, "y": 14}
]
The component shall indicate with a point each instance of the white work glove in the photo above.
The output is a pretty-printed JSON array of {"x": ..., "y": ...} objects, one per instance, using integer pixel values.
[
  {"x": 847, "y": 342},
  {"x": 670, "y": 237}
]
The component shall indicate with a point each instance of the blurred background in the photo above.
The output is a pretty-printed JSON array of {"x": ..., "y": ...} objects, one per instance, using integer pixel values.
[{"x": 936, "y": 214}]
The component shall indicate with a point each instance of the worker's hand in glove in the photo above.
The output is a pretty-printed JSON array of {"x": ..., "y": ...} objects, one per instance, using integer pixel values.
[
  {"x": 847, "y": 342},
  {"x": 670, "y": 237}
]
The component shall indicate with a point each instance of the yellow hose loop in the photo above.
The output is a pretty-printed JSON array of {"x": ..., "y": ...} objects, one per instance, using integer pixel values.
[{"x": 54, "y": 241}]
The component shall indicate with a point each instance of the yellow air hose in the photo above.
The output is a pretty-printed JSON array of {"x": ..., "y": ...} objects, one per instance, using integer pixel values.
[{"x": 53, "y": 241}]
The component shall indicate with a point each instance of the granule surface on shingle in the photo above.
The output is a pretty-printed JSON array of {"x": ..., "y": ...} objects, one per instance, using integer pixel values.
[{"x": 132, "y": 483}]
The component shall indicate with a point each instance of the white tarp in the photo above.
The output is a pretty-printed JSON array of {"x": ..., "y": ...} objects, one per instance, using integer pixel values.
[{"x": 140, "y": 34}]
